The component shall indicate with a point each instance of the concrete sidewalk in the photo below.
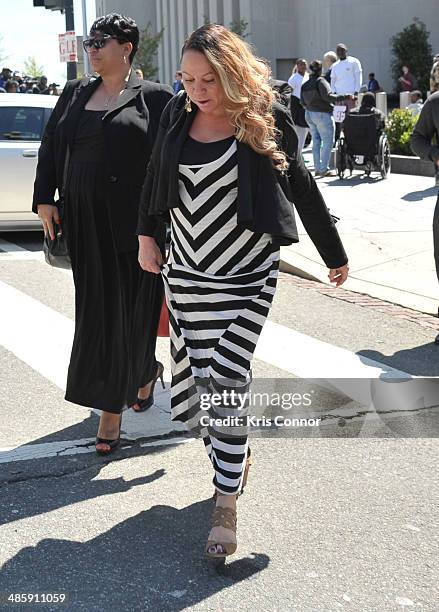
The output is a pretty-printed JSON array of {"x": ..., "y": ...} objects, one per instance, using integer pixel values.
[{"x": 386, "y": 227}]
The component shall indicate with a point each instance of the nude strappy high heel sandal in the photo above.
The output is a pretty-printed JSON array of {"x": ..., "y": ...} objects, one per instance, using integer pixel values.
[
  {"x": 226, "y": 517},
  {"x": 223, "y": 517}
]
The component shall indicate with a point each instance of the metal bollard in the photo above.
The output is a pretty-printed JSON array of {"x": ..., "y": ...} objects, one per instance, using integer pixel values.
[
  {"x": 404, "y": 99},
  {"x": 381, "y": 102}
]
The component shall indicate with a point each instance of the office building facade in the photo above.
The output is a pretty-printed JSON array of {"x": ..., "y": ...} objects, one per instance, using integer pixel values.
[{"x": 283, "y": 30}]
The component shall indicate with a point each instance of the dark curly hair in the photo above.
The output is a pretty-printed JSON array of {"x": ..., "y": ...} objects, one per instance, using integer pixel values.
[{"x": 123, "y": 28}]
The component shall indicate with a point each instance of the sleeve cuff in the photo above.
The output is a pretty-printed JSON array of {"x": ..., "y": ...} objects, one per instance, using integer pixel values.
[{"x": 147, "y": 228}]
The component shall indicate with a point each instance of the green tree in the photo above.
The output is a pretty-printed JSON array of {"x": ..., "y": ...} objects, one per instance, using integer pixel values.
[
  {"x": 148, "y": 47},
  {"x": 32, "y": 68},
  {"x": 239, "y": 27},
  {"x": 411, "y": 48}
]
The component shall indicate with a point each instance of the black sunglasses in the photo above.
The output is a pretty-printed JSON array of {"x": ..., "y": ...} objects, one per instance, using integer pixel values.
[{"x": 99, "y": 42}]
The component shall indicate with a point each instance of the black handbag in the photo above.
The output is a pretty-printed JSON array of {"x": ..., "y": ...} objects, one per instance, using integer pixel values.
[{"x": 56, "y": 252}]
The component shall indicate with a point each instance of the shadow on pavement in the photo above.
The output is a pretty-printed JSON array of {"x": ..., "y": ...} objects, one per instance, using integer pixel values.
[
  {"x": 154, "y": 560},
  {"x": 416, "y": 196},
  {"x": 54, "y": 494},
  {"x": 353, "y": 181},
  {"x": 419, "y": 361},
  {"x": 66, "y": 462}
]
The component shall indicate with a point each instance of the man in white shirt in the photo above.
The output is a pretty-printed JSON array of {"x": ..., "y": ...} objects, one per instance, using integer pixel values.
[
  {"x": 346, "y": 73},
  {"x": 346, "y": 79},
  {"x": 416, "y": 103},
  {"x": 296, "y": 80}
]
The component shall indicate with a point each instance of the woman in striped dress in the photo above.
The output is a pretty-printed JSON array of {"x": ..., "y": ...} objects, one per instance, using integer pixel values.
[{"x": 224, "y": 173}]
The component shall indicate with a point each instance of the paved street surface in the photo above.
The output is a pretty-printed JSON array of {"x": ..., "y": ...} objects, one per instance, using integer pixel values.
[
  {"x": 386, "y": 226},
  {"x": 341, "y": 517}
]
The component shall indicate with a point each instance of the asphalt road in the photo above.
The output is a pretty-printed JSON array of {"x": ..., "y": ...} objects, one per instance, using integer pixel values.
[{"x": 341, "y": 518}]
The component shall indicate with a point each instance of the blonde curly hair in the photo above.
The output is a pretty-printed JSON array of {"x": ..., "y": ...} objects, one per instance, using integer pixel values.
[{"x": 244, "y": 78}]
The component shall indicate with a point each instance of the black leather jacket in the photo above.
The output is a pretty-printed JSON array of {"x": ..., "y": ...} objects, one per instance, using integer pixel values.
[{"x": 265, "y": 196}]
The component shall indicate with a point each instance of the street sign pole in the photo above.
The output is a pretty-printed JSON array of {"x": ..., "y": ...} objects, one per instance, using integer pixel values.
[
  {"x": 70, "y": 26},
  {"x": 84, "y": 35}
]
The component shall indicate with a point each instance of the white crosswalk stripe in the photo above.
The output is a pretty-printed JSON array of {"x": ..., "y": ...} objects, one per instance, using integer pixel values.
[{"x": 23, "y": 332}]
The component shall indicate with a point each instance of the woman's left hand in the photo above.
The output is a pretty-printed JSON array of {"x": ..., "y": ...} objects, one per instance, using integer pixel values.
[{"x": 338, "y": 275}]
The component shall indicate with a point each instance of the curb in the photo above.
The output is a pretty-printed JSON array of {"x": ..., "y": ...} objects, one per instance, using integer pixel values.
[
  {"x": 365, "y": 301},
  {"x": 404, "y": 164}
]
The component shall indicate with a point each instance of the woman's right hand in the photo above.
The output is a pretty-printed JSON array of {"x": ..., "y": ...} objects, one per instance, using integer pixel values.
[
  {"x": 150, "y": 257},
  {"x": 49, "y": 215}
]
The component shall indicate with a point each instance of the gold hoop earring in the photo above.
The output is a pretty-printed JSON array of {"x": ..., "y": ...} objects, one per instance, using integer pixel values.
[
  {"x": 125, "y": 59},
  {"x": 188, "y": 105}
]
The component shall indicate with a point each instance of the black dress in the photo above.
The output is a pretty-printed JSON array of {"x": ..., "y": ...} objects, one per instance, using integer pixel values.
[{"x": 117, "y": 304}]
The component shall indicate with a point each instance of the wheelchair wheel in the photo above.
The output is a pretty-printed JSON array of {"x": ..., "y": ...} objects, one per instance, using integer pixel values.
[
  {"x": 340, "y": 157},
  {"x": 384, "y": 156}
]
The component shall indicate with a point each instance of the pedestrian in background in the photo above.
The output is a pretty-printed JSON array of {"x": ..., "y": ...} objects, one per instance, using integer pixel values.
[
  {"x": 42, "y": 86},
  {"x": 5, "y": 75},
  {"x": 318, "y": 102},
  {"x": 219, "y": 175},
  {"x": 416, "y": 103},
  {"x": 434, "y": 75},
  {"x": 99, "y": 137},
  {"x": 407, "y": 80},
  {"x": 296, "y": 80},
  {"x": 346, "y": 74},
  {"x": 139, "y": 73},
  {"x": 11, "y": 86},
  {"x": 367, "y": 107},
  {"x": 177, "y": 85},
  {"x": 425, "y": 145},
  {"x": 373, "y": 86},
  {"x": 283, "y": 91},
  {"x": 329, "y": 59},
  {"x": 346, "y": 79}
]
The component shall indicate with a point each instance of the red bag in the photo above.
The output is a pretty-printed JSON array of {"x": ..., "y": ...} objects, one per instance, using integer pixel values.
[{"x": 163, "y": 328}]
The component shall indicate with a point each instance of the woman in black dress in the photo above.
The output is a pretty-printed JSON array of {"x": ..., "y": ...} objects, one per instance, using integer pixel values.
[{"x": 96, "y": 149}]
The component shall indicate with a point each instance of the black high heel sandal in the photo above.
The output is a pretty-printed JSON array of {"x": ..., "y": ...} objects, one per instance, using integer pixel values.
[
  {"x": 113, "y": 444},
  {"x": 144, "y": 404}
]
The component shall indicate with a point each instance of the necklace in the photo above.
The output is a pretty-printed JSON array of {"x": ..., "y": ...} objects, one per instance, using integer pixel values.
[{"x": 113, "y": 97}]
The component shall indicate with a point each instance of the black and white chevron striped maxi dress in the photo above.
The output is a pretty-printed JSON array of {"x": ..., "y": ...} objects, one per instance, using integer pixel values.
[{"x": 220, "y": 280}]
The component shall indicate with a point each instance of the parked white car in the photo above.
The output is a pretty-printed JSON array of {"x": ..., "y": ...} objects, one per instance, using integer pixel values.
[{"x": 23, "y": 118}]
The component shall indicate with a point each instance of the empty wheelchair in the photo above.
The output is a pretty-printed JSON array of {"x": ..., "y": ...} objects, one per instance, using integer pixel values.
[{"x": 363, "y": 146}]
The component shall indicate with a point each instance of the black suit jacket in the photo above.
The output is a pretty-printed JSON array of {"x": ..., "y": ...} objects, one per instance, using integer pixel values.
[
  {"x": 265, "y": 196},
  {"x": 130, "y": 129}
]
